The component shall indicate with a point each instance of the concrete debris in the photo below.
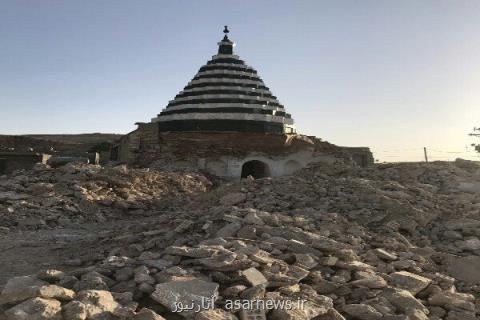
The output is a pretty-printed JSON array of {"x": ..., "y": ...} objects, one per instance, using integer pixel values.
[
  {"x": 254, "y": 277},
  {"x": 393, "y": 241},
  {"x": 147, "y": 314},
  {"x": 233, "y": 199},
  {"x": 217, "y": 314},
  {"x": 409, "y": 281},
  {"x": 195, "y": 294},
  {"x": 36, "y": 309},
  {"x": 362, "y": 312}
]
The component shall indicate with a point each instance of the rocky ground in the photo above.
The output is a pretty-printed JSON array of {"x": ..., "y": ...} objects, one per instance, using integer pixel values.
[{"x": 395, "y": 241}]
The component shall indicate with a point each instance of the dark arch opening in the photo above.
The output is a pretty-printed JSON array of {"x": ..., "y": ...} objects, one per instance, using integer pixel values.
[{"x": 256, "y": 169}]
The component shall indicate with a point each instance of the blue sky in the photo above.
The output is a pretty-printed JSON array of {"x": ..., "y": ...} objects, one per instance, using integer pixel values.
[{"x": 392, "y": 75}]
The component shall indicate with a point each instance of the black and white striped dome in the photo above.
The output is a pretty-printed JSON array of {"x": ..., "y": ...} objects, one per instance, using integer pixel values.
[{"x": 225, "y": 95}]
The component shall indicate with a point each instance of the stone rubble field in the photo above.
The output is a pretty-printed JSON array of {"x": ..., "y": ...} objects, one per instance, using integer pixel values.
[
  {"x": 394, "y": 242},
  {"x": 76, "y": 193}
]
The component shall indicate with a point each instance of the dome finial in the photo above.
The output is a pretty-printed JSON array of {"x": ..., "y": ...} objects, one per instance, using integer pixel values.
[
  {"x": 226, "y": 45},
  {"x": 226, "y": 31}
]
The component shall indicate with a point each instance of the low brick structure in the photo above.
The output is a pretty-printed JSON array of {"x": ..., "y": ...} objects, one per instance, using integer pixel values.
[
  {"x": 231, "y": 154},
  {"x": 11, "y": 161}
]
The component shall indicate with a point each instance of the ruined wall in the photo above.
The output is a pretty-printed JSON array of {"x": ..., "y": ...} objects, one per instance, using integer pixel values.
[
  {"x": 276, "y": 165},
  {"x": 127, "y": 148},
  {"x": 361, "y": 156},
  {"x": 225, "y": 153},
  {"x": 11, "y": 161},
  {"x": 83, "y": 145}
]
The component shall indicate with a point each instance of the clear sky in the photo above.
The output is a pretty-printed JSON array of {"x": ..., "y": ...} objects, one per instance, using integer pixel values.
[{"x": 392, "y": 75}]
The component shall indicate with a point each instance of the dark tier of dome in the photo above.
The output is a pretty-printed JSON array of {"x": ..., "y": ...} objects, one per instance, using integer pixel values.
[{"x": 225, "y": 95}]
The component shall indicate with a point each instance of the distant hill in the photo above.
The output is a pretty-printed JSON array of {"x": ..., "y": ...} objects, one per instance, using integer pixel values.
[
  {"x": 86, "y": 138},
  {"x": 58, "y": 142}
]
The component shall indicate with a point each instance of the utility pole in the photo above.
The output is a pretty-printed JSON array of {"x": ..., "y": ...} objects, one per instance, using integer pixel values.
[
  {"x": 425, "y": 153},
  {"x": 475, "y": 134}
]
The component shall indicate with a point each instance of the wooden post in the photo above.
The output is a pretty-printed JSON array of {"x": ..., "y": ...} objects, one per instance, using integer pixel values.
[{"x": 425, "y": 153}]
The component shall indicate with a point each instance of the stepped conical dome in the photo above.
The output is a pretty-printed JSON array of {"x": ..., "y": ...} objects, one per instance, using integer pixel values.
[{"x": 225, "y": 95}]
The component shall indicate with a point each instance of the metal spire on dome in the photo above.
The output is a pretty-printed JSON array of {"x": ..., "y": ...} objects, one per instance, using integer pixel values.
[
  {"x": 226, "y": 31},
  {"x": 226, "y": 45}
]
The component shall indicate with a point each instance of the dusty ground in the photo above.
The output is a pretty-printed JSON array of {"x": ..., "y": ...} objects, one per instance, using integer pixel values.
[{"x": 26, "y": 252}]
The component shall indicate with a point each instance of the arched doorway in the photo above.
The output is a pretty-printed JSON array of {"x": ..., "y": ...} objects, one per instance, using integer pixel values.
[{"x": 256, "y": 169}]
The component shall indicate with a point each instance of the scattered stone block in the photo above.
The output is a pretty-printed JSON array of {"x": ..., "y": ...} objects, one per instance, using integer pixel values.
[
  {"x": 362, "y": 312},
  {"x": 147, "y": 314},
  {"x": 256, "y": 314},
  {"x": 99, "y": 304},
  {"x": 188, "y": 292},
  {"x": 307, "y": 310},
  {"x": 36, "y": 309},
  {"x": 372, "y": 282},
  {"x": 254, "y": 277},
  {"x": 453, "y": 300},
  {"x": 328, "y": 261},
  {"x": 75, "y": 310},
  {"x": 465, "y": 268},
  {"x": 385, "y": 255},
  {"x": 20, "y": 288},
  {"x": 230, "y": 230},
  {"x": 51, "y": 276},
  {"x": 470, "y": 244},
  {"x": 409, "y": 281},
  {"x": 232, "y": 199},
  {"x": 404, "y": 300},
  {"x": 216, "y": 314}
]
